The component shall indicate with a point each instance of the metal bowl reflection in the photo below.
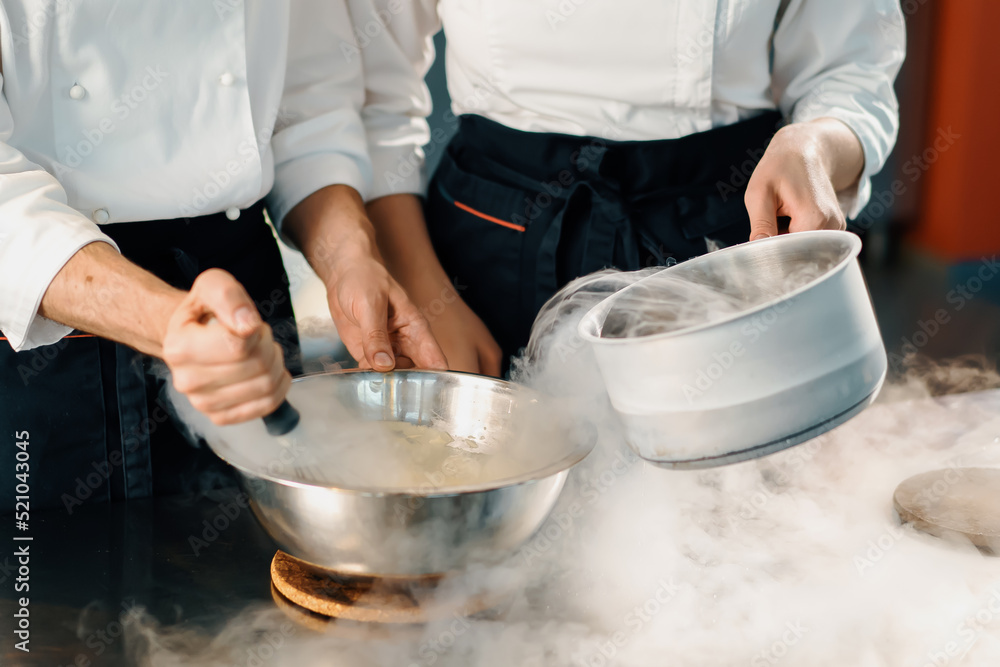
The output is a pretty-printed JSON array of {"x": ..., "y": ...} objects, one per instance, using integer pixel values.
[{"x": 431, "y": 530}]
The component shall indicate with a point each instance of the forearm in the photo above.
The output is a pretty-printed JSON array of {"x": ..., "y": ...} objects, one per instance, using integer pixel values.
[
  {"x": 101, "y": 292},
  {"x": 837, "y": 147},
  {"x": 406, "y": 247},
  {"x": 331, "y": 228}
]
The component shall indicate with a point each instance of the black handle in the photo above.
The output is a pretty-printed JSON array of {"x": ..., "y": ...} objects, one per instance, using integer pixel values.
[{"x": 282, "y": 420}]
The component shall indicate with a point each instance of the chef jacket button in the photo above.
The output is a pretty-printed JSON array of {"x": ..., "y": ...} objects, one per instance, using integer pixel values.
[
  {"x": 227, "y": 79},
  {"x": 77, "y": 92},
  {"x": 101, "y": 216},
  {"x": 232, "y": 213}
]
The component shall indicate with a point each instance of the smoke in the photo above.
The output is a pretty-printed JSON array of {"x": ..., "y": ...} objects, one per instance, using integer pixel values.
[
  {"x": 341, "y": 441},
  {"x": 918, "y": 376},
  {"x": 795, "y": 559}
]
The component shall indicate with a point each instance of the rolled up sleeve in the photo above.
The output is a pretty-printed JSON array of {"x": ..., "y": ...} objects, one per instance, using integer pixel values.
[
  {"x": 39, "y": 232},
  {"x": 839, "y": 60},
  {"x": 318, "y": 139},
  {"x": 397, "y": 48}
]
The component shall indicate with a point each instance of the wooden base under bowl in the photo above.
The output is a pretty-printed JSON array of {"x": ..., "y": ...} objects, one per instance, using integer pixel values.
[{"x": 368, "y": 599}]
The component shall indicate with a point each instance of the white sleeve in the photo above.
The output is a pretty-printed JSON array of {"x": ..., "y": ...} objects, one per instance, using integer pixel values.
[
  {"x": 839, "y": 60},
  {"x": 395, "y": 40},
  {"x": 39, "y": 232},
  {"x": 318, "y": 138}
]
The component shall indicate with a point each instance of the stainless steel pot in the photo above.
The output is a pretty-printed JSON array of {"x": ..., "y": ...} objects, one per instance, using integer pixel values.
[
  {"x": 360, "y": 529},
  {"x": 792, "y": 361}
]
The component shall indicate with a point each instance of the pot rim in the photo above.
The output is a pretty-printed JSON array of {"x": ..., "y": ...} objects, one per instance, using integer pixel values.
[
  {"x": 589, "y": 321},
  {"x": 579, "y": 451}
]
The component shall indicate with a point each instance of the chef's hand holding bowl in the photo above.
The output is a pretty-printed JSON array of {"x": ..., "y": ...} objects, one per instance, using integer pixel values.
[{"x": 803, "y": 169}]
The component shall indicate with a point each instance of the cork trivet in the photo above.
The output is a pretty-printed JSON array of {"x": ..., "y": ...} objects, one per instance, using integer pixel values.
[
  {"x": 369, "y": 599},
  {"x": 955, "y": 503},
  {"x": 339, "y": 627}
]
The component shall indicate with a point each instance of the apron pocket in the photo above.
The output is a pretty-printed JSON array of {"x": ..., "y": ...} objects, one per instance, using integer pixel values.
[{"x": 478, "y": 235}]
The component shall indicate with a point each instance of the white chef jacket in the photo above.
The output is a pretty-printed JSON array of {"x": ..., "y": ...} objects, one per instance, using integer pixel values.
[
  {"x": 629, "y": 69},
  {"x": 122, "y": 111}
]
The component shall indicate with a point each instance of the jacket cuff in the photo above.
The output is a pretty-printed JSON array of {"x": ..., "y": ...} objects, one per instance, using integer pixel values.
[
  {"x": 26, "y": 276},
  {"x": 296, "y": 180}
]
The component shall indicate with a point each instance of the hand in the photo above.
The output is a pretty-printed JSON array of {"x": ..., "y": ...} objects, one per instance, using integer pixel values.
[
  {"x": 375, "y": 318},
  {"x": 799, "y": 176},
  {"x": 467, "y": 343},
  {"x": 222, "y": 356},
  {"x": 377, "y": 321}
]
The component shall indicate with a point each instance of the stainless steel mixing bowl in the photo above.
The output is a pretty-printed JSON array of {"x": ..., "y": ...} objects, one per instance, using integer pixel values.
[{"x": 363, "y": 530}]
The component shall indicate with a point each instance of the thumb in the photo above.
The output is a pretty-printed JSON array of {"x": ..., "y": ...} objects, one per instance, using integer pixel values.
[
  {"x": 373, "y": 319},
  {"x": 763, "y": 210},
  {"x": 217, "y": 294}
]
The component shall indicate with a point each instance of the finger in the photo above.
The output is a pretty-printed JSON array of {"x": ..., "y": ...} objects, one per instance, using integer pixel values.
[
  {"x": 417, "y": 340},
  {"x": 205, "y": 379},
  {"x": 810, "y": 217},
  {"x": 404, "y": 362},
  {"x": 211, "y": 344},
  {"x": 763, "y": 210},
  {"x": 373, "y": 318},
  {"x": 200, "y": 378},
  {"x": 490, "y": 359},
  {"x": 218, "y": 294},
  {"x": 350, "y": 336},
  {"x": 255, "y": 408},
  {"x": 234, "y": 395}
]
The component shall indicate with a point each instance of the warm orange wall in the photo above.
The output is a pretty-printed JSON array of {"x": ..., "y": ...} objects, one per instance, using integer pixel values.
[{"x": 960, "y": 217}]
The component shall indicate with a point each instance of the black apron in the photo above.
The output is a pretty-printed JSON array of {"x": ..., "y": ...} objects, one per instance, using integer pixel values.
[
  {"x": 514, "y": 215},
  {"x": 99, "y": 427}
]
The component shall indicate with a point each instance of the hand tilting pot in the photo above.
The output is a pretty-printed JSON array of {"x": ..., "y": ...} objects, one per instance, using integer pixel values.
[{"x": 797, "y": 353}]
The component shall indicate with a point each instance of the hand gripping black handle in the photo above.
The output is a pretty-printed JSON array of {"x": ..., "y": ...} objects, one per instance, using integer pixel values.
[{"x": 282, "y": 420}]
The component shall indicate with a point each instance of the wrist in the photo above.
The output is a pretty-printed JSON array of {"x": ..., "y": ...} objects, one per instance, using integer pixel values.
[
  {"x": 332, "y": 230},
  {"x": 802, "y": 140},
  {"x": 163, "y": 305},
  {"x": 830, "y": 144}
]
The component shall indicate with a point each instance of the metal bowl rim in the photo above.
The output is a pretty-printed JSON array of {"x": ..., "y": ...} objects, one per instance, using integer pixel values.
[
  {"x": 589, "y": 320},
  {"x": 579, "y": 452}
]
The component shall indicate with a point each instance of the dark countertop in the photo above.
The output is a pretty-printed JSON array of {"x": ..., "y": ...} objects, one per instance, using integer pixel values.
[
  {"x": 206, "y": 598},
  {"x": 89, "y": 568}
]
